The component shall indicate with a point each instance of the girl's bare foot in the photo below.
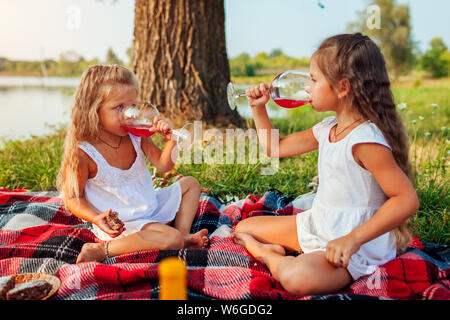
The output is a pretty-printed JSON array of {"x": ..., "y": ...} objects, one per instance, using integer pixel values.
[
  {"x": 92, "y": 252},
  {"x": 257, "y": 249},
  {"x": 196, "y": 240}
]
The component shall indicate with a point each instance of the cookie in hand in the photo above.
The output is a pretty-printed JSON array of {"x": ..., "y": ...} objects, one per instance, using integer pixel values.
[{"x": 112, "y": 218}]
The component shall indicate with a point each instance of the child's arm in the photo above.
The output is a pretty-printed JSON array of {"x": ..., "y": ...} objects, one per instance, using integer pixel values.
[
  {"x": 79, "y": 206},
  {"x": 402, "y": 203},
  {"x": 164, "y": 159},
  {"x": 291, "y": 145}
]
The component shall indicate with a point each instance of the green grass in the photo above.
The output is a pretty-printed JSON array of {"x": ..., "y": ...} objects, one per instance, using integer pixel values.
[{"x": 34, "y": 164}]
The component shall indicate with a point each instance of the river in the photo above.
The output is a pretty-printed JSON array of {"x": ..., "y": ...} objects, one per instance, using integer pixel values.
[{"x": 34, "y": 106}]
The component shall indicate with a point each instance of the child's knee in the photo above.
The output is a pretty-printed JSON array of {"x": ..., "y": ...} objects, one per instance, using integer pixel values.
[
  {"x": 242, "y": 226},
  {"x": 190, "y": 183},
  {"x": 194, "y": 183},
  {"x": 173, "y": 240},
  {"x": 297, "y": 279},
  {"x": 248, "y": 225}
]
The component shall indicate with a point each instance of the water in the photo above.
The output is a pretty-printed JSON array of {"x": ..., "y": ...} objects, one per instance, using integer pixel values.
[
  {"x": 243, "y": 108},
  {"x": 33, "y": 106},
  {"x": 52, "y": 82}
]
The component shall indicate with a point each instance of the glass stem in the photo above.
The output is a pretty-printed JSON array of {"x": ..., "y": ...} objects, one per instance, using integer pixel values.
[{"x": 179, "y": 134}]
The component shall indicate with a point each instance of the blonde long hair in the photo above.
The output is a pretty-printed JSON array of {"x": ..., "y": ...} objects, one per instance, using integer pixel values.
[
  {"x": 96, "y": 84},
  {"x": 357, "y": 58}
]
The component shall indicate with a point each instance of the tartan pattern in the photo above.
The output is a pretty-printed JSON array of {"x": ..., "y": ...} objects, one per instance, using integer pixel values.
[{"x": 36, "y": 235}]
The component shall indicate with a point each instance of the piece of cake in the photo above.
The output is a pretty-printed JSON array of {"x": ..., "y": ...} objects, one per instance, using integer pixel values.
[
  {"x": 6, "y": 284},
  {"x": 30, "y": 290},
  {"x": 113, "y": 220}
]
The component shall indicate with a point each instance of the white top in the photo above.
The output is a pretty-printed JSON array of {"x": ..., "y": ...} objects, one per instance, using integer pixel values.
[
  {"x": 129, "y": 192},
  {"x": 347, "y": 196}
]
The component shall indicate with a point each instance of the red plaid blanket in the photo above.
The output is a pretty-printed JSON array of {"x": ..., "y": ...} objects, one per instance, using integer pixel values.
[{"x": 37, "y": 236}]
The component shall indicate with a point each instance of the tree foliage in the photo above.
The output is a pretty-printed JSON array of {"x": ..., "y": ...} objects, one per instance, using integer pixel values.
[
  {"x": 263, "y": 63},
  {"x": 111, "y": 57},
  {"x": 68, "y": 64},
  {"x": 393, "y": 37},
  {"x": 437, "y": 59}
]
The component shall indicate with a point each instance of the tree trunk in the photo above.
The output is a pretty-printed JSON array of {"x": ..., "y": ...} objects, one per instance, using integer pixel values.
[{"x": 180, "y": 59}]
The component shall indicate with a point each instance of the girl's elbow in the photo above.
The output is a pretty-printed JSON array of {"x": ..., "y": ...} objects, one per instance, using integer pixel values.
[
  {"x": 165, "y": 167},
  {"x": 408, "y": 203},
  {"x": 415, "y": 203}
]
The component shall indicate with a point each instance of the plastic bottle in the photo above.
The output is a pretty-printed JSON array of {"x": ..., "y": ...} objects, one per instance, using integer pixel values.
[{"x": 172, "y": 279}]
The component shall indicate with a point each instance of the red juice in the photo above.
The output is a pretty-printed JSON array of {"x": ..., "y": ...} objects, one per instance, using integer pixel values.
[
  {"x": 290, "y": 103},
  {"x": 139, "y": 131}
]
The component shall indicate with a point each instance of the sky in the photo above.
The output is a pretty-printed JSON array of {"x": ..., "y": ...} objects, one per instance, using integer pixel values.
[{"x": 41, "y": 29}]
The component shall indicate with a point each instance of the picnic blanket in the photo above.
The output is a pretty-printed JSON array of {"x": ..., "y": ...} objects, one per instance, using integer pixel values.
[{"x": 37, "y": 235}]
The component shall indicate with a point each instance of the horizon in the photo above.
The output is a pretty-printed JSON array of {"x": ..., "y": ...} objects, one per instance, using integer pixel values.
[{"x": 44, "y": 29}]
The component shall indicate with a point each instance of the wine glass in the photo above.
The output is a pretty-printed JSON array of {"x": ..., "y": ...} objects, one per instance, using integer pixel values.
[
  {"x": 137, "y": 119},
  {"x": 288, "y": 90}
]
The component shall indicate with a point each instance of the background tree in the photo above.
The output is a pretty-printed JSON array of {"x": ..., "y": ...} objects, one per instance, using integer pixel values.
[
  {"x": 242, "y": 66},
  {"x": 393, "y": 37},
  {"x": 129, "y": 54},
  {"x": 275, "y": 53},
  {"x": 111, "y": 57},
  {"x": 437, "y": 59},
  {"x": 69, "y": 63},
  {"x": 180, "y": 59}
]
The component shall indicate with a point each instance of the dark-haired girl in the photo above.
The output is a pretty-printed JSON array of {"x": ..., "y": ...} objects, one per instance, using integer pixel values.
[{"x": 359, "y": 217}]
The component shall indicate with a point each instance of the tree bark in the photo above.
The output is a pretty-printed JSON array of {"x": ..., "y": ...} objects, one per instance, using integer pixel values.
[{"x": 180, "y": 59}]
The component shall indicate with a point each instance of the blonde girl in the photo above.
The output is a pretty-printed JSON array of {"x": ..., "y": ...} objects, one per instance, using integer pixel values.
[
  {"x": 359, "y": 217},
  {"x": 103, "y": 169}
]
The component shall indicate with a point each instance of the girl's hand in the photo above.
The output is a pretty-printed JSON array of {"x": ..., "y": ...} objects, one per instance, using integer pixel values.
[
  {"x": 340, "y": 250},
  {"x": 163, "y": 126},
  {"x": 100, "y": 221},
  {"x": 258, "y": 96}
]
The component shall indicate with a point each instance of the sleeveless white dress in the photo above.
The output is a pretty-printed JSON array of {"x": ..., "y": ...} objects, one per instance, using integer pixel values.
[
  {"x": 129, "y": 192},
  {"x": 347, "y": 196}
]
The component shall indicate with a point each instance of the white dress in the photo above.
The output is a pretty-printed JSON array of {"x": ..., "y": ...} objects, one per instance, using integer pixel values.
[
  {"x": 129, "y": 192},
  {"x": 347, "y": 196}
]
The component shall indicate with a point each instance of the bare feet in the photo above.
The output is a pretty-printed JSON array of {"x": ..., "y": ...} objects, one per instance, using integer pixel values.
[
  {"x": 196, "y": 240},
  {"x": 92, "y": 252},
  {"x": 257, "y": 249}
]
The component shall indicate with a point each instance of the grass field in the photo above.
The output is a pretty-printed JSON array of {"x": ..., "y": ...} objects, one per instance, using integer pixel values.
[{"x": 34, "y": 164}]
